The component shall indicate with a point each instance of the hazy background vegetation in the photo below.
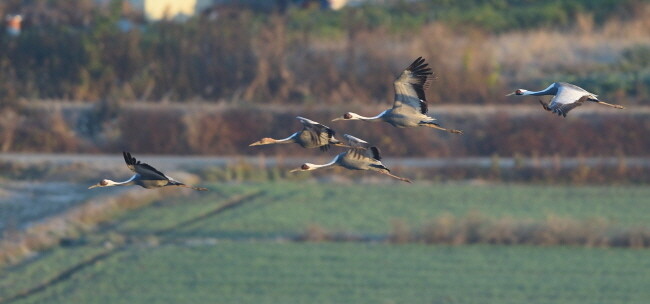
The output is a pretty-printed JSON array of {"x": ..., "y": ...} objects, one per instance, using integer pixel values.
[
  {"x": 82, "y": 75},
  {"x": 525, "y": 207}
]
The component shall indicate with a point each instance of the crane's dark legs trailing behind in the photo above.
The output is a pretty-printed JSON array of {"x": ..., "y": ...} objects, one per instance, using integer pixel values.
[{"x": 437, "y": 126}]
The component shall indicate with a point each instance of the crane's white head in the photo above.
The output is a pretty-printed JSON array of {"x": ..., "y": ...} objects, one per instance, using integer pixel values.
[
  {"x": 305, "y": 167},
  {"x": 519, "y": 92},
  {"x": 103, "y": 183},
  {"x": 349, "y": 116}
]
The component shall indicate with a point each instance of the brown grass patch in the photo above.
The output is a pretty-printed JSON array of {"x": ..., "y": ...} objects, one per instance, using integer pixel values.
[{"x": 475, "y": 228}]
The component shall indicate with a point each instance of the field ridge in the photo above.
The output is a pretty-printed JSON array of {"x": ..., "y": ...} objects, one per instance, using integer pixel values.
[
  {"x": 230, "y": 203},
  {"x": 63, "y": 275}
]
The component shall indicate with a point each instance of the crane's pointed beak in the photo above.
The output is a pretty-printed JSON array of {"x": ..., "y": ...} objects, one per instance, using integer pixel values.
[
  {"x": 513, "y": 93},
  {"x": 257, "y": 143},
  {"x": 93, "y": 186},
  {"x": 338, "y": 118},
  {"x": 295, "y": 170}
]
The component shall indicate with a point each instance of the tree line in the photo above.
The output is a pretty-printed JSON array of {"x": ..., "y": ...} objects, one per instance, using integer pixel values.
[{"x": 87, "y": 51}]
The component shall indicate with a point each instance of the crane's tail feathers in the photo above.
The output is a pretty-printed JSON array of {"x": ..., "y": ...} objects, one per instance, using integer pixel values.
[
  {"x": 437, "y": 126},
  {"x": 610, "y": 105},
  {"x": 396, "y": 177}
]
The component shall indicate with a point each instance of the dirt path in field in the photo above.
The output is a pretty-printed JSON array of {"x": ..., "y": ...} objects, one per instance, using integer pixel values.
[{"x": 66, "y": 274}]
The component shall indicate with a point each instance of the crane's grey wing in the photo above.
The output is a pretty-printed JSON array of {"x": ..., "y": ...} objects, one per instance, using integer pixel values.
[
  {"x": 373, "y": 152},
  {"x": 361, "y": 150},
  {"x": 572, "y": 87},
  {"x": 410, "y": 86},
  {"x": 307, "y": 122},
  {"x": 370, "y": 155},
  {"x": 320, "y": 133},
  {"x": 145, "y": 170},
  {"x": 355, "y": 142},
  {"x": 567, "y": 94},
  {"x": 563, "y": 109}
]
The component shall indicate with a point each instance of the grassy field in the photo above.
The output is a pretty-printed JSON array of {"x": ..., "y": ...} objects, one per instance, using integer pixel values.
[
  {"x": 287, "y": 207},
  {"x": 181, "y": 251},
  {"x": 350, "y": 273}
]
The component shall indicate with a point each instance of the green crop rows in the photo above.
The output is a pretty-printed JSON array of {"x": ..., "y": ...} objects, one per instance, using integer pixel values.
[{"x": 234, "y": 257}]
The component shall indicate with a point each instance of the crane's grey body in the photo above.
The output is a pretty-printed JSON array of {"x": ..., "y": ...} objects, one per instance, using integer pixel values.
[
  {"x": 406, "y": 118},
  {"x": 148, "y": 182},
  {"x": 410, "y": 105},
  {"x": 145, "y": 176},
  {"x": 312, "y": 135},
  {"x": 566, "y": 97},
  {"x": 359, "y": 157}
]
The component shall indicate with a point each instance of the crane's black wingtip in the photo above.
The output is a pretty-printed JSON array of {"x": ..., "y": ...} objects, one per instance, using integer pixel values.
[
  {"x": 130, "y": 160},
  {"x": 376, "y": 154},
  {"x": 330, "y": 132},
  {"x": 417, "y": 63}
]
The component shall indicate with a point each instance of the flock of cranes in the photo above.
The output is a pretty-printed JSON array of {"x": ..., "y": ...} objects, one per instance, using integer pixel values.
[{"x": 409, "y": 110}]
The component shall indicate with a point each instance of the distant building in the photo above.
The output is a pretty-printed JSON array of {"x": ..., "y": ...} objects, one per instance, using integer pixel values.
[
  {"x": 182, "y": 9},
  {"x": 173, "y": 9},
  {"x": 337, "y": 4},
  {"x": 14, "y": 23}
]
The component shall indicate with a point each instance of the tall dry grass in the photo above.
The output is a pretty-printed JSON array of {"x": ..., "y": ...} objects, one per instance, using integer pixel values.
[
  {"x": 537, "y": 54},
  {"x": 475, "y": 228},
  {"x": 237, "y": 57},
  {"x": 216, "y": 130},
  {"x": 354, "y": 72},
  {"x": 472, "y": 66}
]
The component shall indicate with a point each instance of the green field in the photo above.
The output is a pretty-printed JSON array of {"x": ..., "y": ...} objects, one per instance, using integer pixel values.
[
  {"x": 234, "y": 257},
  {"x": 349, "y": 273},
  {"x": 287, "y": 208}
]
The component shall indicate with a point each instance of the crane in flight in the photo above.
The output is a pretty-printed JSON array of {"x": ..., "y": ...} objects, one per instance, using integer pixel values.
[
  {"x": 145, "y": 176},
  {"x": 359, "y": 157},
  {"x": 312, "y": 135},
  {"x": 566, "y": 97},
  {"x": 410, "y": 105}
]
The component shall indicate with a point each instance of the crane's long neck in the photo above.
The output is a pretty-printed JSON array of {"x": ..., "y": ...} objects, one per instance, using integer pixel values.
[
  {"x": 128, "y": 182},
  {"x": 551, "y": 90},
  {"x": 288, "y": 140},
  {"x": 373, "y": 118},
  {"x": 330, "y": 164}
]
